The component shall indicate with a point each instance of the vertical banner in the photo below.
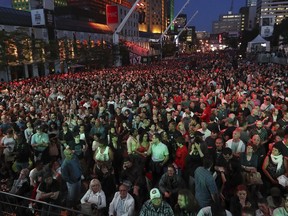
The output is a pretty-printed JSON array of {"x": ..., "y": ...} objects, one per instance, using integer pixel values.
[
  {"x": 38, "y": 17},
  {"x": 111, "y": 14}
]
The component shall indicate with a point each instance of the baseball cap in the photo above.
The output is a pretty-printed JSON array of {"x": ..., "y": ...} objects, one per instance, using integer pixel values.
[{"x": 155, "y": 193}]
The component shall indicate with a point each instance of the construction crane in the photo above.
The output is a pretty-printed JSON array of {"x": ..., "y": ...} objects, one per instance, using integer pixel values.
[{"x": 185, "y": 26}]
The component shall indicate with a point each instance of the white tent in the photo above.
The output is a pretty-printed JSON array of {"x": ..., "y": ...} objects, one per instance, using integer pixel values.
[{"x": 258, "y": 44}]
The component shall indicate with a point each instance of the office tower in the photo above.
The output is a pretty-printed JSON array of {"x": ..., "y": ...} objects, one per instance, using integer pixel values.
[{"x": 270, "y": 12}]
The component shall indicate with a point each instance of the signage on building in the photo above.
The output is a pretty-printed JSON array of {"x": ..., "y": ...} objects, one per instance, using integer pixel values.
[
  {"x": 111, "y": 14},
  {"x": 267, "y": 31},
  {"x": 38, "y": 17},
  {"x": 49, "y": 18}
]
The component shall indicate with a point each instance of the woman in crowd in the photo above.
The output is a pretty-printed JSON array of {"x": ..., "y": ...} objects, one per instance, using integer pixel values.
[
  {"x": 239, "y": 201},
  {"x": 94, "y": 200},
  {"x": 274, "y": 166},
  {"x": 103, "y": 155}
]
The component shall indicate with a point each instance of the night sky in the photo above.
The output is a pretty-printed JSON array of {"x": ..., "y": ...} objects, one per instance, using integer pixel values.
[{"x": 208, "y": 11}]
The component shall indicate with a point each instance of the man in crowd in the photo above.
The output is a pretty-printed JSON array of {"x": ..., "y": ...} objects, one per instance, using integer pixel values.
[{"x": 156, "y": 206}]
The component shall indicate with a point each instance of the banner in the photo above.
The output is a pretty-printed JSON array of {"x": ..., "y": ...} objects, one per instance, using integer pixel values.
[
  {"x": 38, "y": 18},
  {"x": 111, "y": 14}
]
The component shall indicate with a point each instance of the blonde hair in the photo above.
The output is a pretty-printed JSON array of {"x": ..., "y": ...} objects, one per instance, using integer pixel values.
[{"x": 95, "y": 181}]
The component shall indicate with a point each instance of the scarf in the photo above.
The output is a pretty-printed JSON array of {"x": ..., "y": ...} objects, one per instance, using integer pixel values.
[{"x": 277, "y": 160}]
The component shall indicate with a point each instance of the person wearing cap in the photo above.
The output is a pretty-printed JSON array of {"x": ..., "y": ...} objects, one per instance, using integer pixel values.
[
  {"x": 282, "y": 210},
  {"x": 123, "y": 203},
  {"x": 155, "y": 206}
]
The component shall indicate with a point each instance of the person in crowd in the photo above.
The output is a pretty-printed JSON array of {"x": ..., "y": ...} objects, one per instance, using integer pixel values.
[
  {"x": 187, "y": 204},
  {"x": 263, "y": 208},
  {"x": 156, "y": 205},
  {"x": 8, "y": 144},
  {"x": 94, "y": 200},
  {"x": 132, "y": 174},
  {"x": 240, "y": 200},
  {"x": 205, "y": 187},
  {"x": 71, "y": 173},
  {"x": 275, "y": 198},
  {"x": 39, "y": 142},
  {"x": 282, "y": 210},
  {"x": 181, "y": 154},
  {"x": 21, "y": 186},
  {"x": 169, "y": 185},
  {"x": 103, "y": 155},
  {"x": 49, "y": 192},
  {"x": 159, "y": 157},
  {"x": 249, "y": 162},
  {"x": 236, "y": 144},
  {"x": 123, "y": 203},
  {"x": 216, "y": 208},
  {"x": 274, "y": 166},
  {"x": 261, "y": 131}
]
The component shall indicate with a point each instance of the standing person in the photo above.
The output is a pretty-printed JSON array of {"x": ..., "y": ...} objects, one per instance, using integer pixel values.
[
  {"x": 123, "y": 203},
  {"x": 39, "y": 141},
  {"x": 156, "y": 206},
  {"x": 159, "y": 157},
  {"x": 205, "y": 187},
  {"x": 71, "y": 173}
]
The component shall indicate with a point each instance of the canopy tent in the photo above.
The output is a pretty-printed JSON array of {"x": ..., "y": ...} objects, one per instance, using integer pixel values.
[{"x": 258, "y": 44}]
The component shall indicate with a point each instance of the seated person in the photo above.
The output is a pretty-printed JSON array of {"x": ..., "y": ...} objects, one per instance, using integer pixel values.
[
  {"x": 123, "y": 203},
  {"x": 21, "y": 186},
  {"x": 94, "y": 199},
  {"x": 282, "y": 210},
  {"x": 48, "y": 191}
]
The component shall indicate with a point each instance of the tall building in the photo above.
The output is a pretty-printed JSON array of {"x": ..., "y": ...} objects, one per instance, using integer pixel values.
[
  {"x": 26, "y": 4},
  {"x": 229, "y": 23},
  {"x": 155, "y": 20},
  {"x": 169, "y": 13},
  {"x": 270, "y": 12}
]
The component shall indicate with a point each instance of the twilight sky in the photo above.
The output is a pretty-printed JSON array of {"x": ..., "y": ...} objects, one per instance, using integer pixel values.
[{"x": 208, "y": 11}]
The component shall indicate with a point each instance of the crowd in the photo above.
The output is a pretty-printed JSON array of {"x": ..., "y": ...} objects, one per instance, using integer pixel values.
[{"x": 161, "y": 139}]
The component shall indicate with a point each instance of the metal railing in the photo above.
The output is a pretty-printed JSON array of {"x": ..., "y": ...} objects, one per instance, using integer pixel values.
[{"x": 11, "y": 204}]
